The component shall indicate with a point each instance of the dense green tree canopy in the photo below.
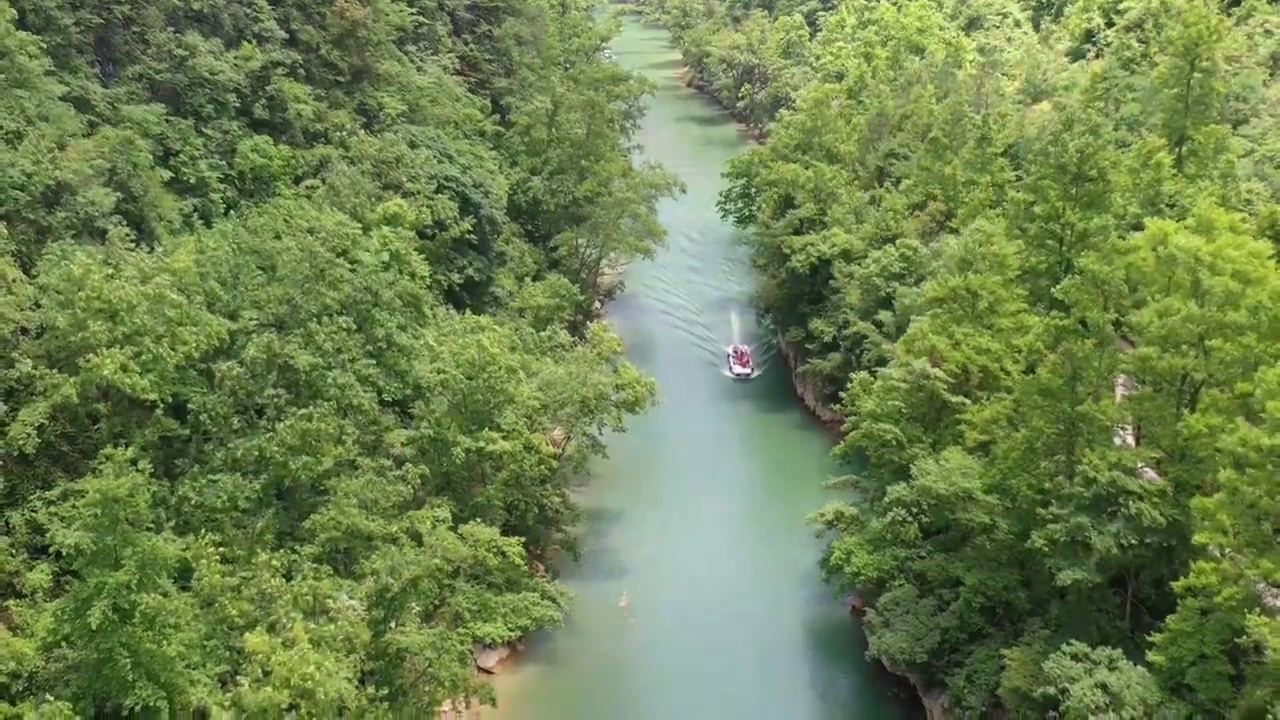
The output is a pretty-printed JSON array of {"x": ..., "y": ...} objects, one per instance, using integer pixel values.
[
  {"x": 1028, "y": 249},
  {"x": 298, "y": 354}
]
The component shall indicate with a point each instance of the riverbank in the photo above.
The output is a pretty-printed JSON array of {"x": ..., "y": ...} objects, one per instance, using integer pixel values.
[
  {"x": 609, "y": 283},
  {"x": 490, "y": 661},
  {"x": 811, "y": 397},
  {"x": 809, "y": 393},
  {"x": 693, "y": 82},
  {"x": 934, "y": 700},
  {"x": 695, "y": 513}
]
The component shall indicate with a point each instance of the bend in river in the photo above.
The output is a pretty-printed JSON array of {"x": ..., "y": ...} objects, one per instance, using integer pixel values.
[{"x": 697, "y": 516}]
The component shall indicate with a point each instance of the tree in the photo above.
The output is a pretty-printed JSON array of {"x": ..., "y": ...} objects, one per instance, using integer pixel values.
[
  {"x": 295, "y": 375},
  {"x": 1085, "y": 682},
  {"x": 1026, "y": 249}
]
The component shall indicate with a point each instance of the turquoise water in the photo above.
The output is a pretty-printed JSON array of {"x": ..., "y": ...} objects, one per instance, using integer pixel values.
[{"x": 697, "y": 516}]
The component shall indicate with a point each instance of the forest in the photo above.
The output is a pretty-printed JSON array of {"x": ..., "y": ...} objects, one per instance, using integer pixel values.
[
  {"x": 1027, "y": 249},
  {"x": 297, "y": 343}
]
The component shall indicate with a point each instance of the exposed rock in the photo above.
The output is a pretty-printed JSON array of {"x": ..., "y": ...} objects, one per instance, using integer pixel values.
[
  {"x": 935, "y": 700},
  {"x": 857, "y": 605},
  {"x": 610, "y": 281},
  {"x": 459, "y": 709},
  {"x": 808, "y": 391},
  {"x": 488, "y": 658},
  {"x": 935, "y": 703}
]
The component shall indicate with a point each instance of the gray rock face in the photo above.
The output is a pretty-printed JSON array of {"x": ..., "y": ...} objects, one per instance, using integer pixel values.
[
  {"x": 808, "y": 391},
  {"x": 488, "y": 658}
]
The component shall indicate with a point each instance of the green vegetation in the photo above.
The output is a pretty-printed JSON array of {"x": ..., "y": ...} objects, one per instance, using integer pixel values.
[
  {"x": 977, "y": 219},
  {"x": 296, "y": 351}
]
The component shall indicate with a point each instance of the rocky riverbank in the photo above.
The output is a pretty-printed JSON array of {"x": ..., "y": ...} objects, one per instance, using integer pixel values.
[
  {"x": 692, "y": 81},
  {"x": 811, "y": 394},
  {"x": 935, "y": 701},
  {"x": 608, "y": 284},
  {"x": 490, "y": 660}
]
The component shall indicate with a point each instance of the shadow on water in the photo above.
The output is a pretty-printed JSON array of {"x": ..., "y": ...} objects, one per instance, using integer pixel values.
[
  {"x": 702, "y": 119},
  {"x": 641, "y": 351},
  {"x": 709, "y": 112},
  {"x": 830, "y": 635},
  {"x": 671, "y": 64},
  {"x": 639, "y": 342},
  {"x": 601, "y": 562}
]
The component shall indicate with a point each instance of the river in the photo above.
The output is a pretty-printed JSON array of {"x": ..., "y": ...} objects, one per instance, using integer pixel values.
[{"x": 697, "y": 515}]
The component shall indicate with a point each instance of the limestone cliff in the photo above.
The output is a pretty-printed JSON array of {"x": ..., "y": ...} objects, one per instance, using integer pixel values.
[
  {"x": 809, "y": 392},
  {"x": 935, "y": 700}
]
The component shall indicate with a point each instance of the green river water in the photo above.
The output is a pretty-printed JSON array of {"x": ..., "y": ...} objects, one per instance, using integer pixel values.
[{"x": 697, "y": 515}]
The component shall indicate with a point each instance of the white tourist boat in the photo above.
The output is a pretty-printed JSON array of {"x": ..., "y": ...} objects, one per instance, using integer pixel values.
[{"x": 740, "y": 363}]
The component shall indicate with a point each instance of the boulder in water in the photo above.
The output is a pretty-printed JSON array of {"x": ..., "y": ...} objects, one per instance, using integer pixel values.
[{"x": 488, "y": 658}]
